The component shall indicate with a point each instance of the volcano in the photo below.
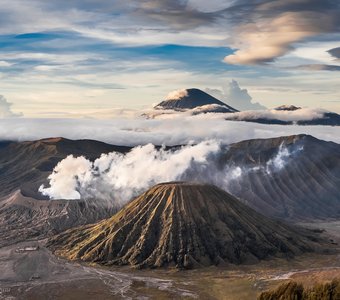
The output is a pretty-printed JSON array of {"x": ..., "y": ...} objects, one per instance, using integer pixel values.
[
  {"x": 183, "y": 225},
  {"x": 194, "y": 99}
]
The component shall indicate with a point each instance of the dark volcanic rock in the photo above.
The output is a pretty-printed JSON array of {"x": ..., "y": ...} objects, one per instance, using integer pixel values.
[
  {"x": 195, "y": 98},
  {"x": 184, "y": 225}
]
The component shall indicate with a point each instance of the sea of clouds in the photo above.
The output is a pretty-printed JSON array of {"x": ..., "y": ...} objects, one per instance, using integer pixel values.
[{"x": 167, "y": 129}]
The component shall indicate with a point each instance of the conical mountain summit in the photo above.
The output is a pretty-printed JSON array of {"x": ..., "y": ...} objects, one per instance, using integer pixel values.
[{"x": 183, "y": 225}]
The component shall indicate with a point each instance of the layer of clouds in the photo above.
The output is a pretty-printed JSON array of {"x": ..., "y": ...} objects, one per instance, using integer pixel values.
[
  {"x": 236, "y": 97},
  {"x": 169, "y": 129},
  {"x": 291, "y": 116},
  {"x": 301, "y": 114},
  {"x": 318, "y": 67},
  {"x": 6, "y": 109},
  {"x": 109, "y": 177}
]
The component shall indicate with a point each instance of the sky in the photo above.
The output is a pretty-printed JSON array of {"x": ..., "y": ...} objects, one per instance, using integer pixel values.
[{"x": 70, "y": 58}]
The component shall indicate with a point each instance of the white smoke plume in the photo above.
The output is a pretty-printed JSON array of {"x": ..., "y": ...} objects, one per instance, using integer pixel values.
[
  {"x": 118, "y": 178},
  {"x": 176, "y": 95},
  {"x": 279, "y": 161},
  {"x": 273, "y": 165},
  {"x": 123, "y": 176},
  {"x": 69, "y": 176}
]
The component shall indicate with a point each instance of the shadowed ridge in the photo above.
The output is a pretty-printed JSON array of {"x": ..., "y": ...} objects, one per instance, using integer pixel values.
[{"x": 184, "y": 225}]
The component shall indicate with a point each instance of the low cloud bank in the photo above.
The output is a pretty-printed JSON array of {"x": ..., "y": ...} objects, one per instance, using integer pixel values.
[
  {"x": 117, "y": 178},
  {"x": 302, "y": 114},
  {"x": 168, "y": 129}
]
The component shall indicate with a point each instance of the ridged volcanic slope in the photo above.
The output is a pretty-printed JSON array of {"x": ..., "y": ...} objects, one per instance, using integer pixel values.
[
  {"x": 307, "y": 188},
  {"x": 183, "y": 225}
]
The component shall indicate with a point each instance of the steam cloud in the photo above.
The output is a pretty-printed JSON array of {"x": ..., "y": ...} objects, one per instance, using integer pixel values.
[{"x": 118, "y": 178}]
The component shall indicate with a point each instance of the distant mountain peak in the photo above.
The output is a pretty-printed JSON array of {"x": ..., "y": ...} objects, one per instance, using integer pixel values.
[
  {"x": 192, "y": 99},
  {"x": 287, "y": 108}
]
